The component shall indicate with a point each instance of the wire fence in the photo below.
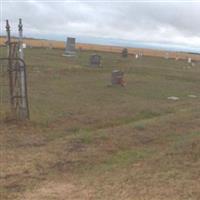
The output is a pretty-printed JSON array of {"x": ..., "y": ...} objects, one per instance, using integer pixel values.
[{"x": 4, "y": 91}]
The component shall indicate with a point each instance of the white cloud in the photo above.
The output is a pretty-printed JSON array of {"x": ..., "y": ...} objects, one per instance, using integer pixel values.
[{"x": 176, "y": 23}]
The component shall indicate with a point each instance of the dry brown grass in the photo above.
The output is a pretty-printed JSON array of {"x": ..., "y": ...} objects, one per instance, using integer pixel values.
[
  {"x": 89, "y": 141},
  {"x": 115, "y": 163}
]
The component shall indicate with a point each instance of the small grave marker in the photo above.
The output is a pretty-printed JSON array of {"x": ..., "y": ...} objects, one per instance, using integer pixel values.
[
  {"x": 124, "y": 52},
  {"x": 173, "y": 98},
  {"x": 192, "y": 96},
  {"x": 95, "y": 60},
  {"x": 117, "y": 78},
  {"x": 24, "y": 45}
]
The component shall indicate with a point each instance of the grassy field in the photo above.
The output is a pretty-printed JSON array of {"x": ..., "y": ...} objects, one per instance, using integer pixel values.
[{"x": 87, "y": 140}]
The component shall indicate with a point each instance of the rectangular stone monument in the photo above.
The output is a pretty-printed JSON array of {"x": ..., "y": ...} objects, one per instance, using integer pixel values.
[
  {"x": 117, "y": 78},
  {"x": 70, "y": 49},
  {"x": 95, "y": 60}
]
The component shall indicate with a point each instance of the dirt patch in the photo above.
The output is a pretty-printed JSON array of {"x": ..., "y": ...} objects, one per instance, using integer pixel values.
[{"x": 58, "y": 190}]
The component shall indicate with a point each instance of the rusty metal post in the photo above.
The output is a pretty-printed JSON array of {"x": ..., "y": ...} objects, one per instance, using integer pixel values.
[
  {"x": 8, "y": 43},
  {"x": 24, "y": 108}
]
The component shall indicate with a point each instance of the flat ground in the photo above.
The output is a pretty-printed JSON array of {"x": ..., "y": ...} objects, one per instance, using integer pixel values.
[{"x": 87, "y": 140}]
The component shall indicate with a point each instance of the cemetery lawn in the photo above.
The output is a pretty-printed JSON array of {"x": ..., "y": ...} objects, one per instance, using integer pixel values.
[{"x": 89, "y": 140}]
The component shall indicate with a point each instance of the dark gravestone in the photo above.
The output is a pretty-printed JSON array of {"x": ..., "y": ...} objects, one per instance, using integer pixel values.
[
  {"x": 117, "y": 78},
  {"x": 95, "y": 60},
  {"x": 125, "y": 52},
  {"x": 70, "y": 48}
]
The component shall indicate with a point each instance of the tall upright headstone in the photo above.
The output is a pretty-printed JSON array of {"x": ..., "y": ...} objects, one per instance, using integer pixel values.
[{"x": 70, "y": 49}]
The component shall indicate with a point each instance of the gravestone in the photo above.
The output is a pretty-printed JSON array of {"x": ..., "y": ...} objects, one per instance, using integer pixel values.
[
  {"x": 24, "y": 45},
  {"x": 189, "y": 60},
  {"x": 166, "y": 55},
  {"x": 50, "y": 46},
  {"x": 124, "y": 52},
  {"x": 193, "y": 64},
  {"x": 117, "y": 78},
  {"x": 95, "y": 60},
  {"x": 70, "y": 49}
]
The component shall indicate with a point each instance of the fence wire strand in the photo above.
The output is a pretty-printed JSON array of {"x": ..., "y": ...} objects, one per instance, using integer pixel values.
[{"x": 4, "y": 96}]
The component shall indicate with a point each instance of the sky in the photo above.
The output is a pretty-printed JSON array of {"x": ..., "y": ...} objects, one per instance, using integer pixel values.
[{"x": 164, "y": 23}]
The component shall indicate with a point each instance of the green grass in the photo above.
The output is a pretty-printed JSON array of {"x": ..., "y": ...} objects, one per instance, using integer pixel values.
[
  {"x": 125, "y": 158},
  {"x": 70, "y": 86}
]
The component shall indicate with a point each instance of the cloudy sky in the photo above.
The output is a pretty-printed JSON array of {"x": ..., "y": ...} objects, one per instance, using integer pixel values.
[{"x": 164, "y": 22}]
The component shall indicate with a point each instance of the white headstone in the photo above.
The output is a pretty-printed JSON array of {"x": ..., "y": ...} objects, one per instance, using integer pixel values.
[
  {"x": 167, "y": 55},
  {"x": 24, "y": 45}
]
